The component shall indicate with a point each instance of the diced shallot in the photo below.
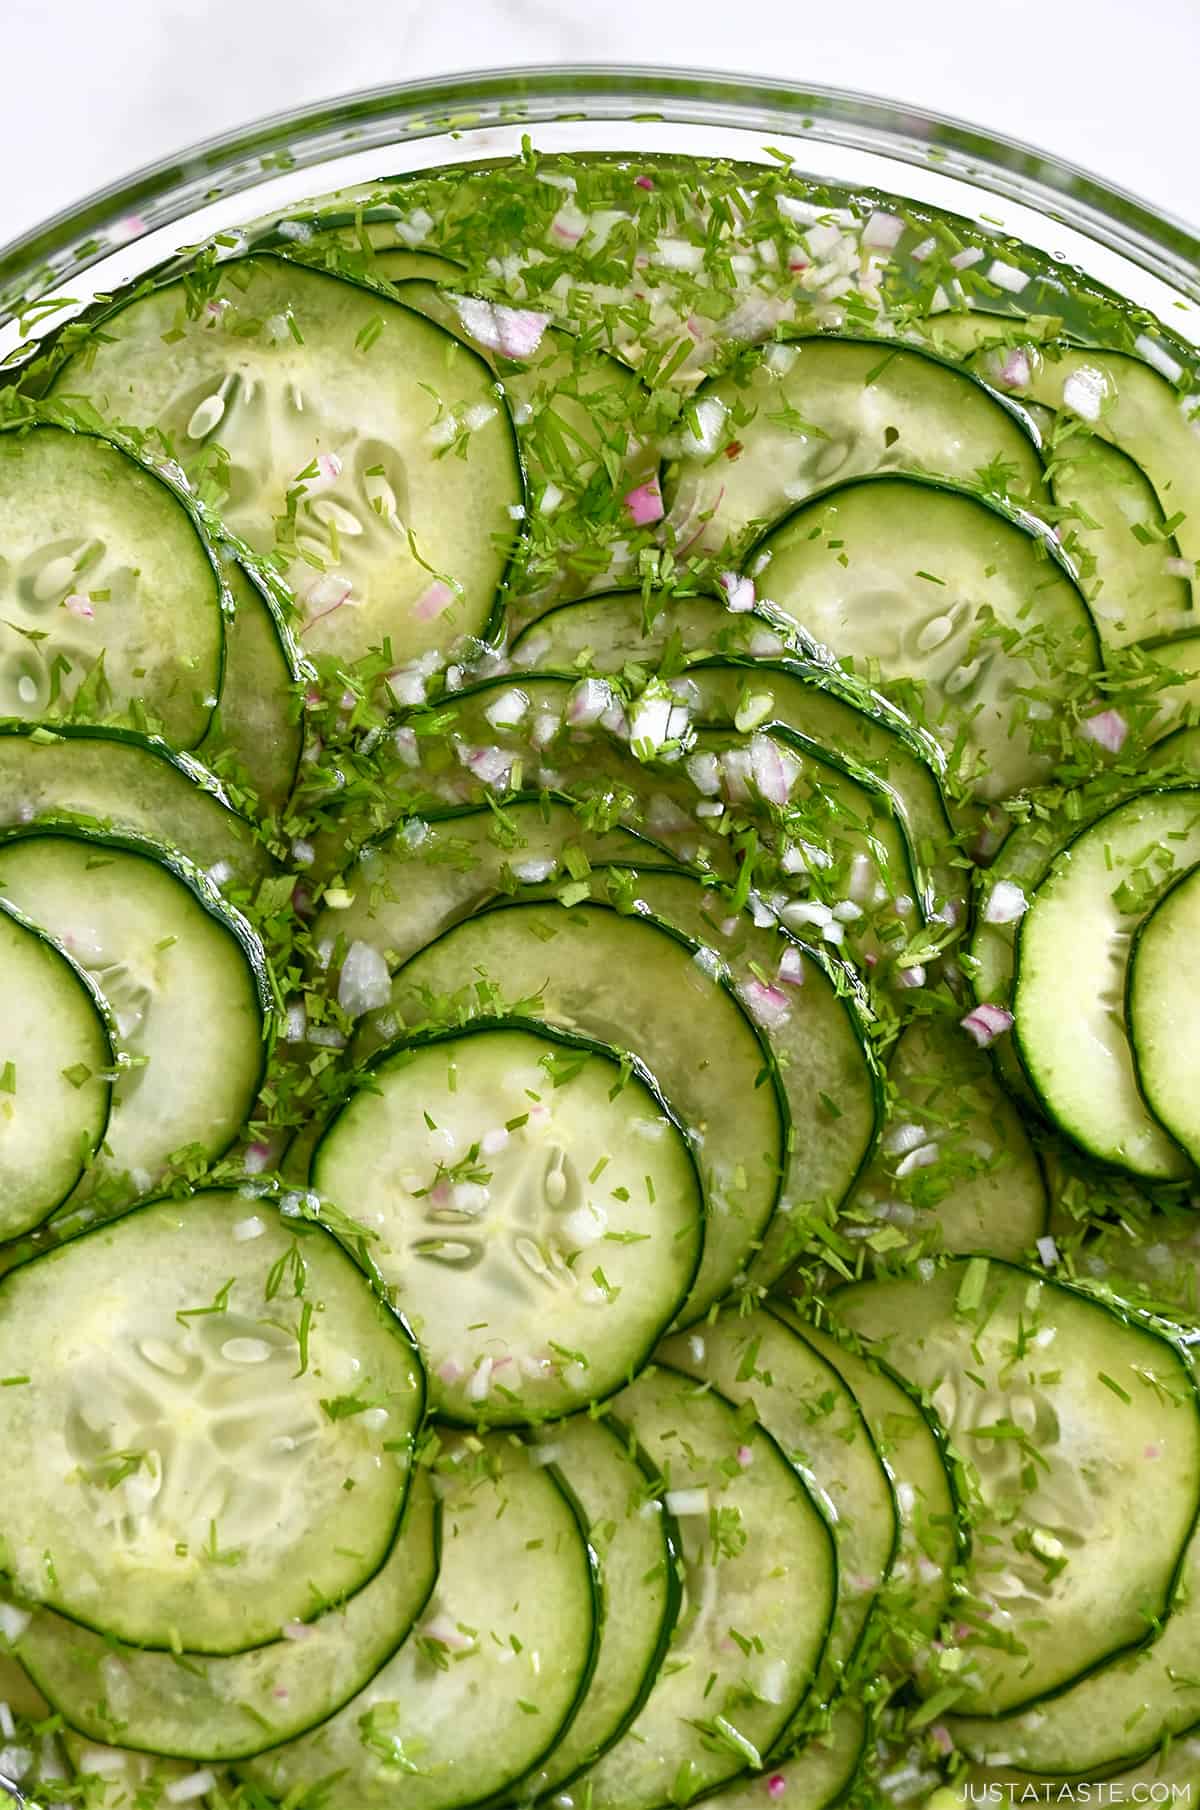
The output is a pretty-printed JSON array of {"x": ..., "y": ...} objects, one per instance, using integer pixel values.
[
  {"x": 987, "y": 1022},
  {"x": 1108, "y": 730},
  {"x": 645, "y": 504}
]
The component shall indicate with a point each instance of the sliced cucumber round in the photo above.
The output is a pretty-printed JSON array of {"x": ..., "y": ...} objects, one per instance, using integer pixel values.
[
  {"x": 636, "y": 1547},
  {"x": 481, "y": 1690},
  {"x": 759, "y": 1559},
  {"x": 871, "y": 740},
  {"x": 109, "y": 598},
  {"x": 1121, "y": 398},
  {"x": 955, "y": 1171},
  {"x": 114, "y": 779},
  {"x": 931, "y": 1539},
  {"x": 608, "y": 630},
  {"x": 630, "y": 982},
  {"x": 831, "y": 738},
  {"x": 925, "y": 583},
  {"x": 821, "y": 410},
  {"x": 1165, "y": 1776},
  {"x": 1073, "y": 953},
  {"x": 581, "y": 420},
  {"x": 257, "y": 725},
  {"x": 1116, "y": 518},
  {"x": 815, "y": 1024},
  {"x": 1051, "y": 1399},
  {"x": 359, "y": 446},
  {"x": 1163, "y": 1009},
  {"x": 184, "y": 979},
  {"x": 816, "y": 1776},
  {"x": 405, "y": 889},
  {"x": 1115, "y": 1715},
  {"x": 208, "y": 1424},
  {"x": 56, "y": 1075},
  {"x": 196, "y": 1708},
  {"x": 536, "y": 1211},
  {"x": 763, "y": 1361},
  {"x": 1113, "y": 515}
]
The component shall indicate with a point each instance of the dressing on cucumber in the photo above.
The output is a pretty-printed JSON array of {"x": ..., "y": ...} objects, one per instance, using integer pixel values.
[
  {"x": 359, "y": 446},
  {"x": 109, "y": 598},
  {"x": 631, "y": 982},
  {"x": 537, "y": 1212},
  {"x": 57, "y": 1068},
  {"x": 555, "y": 1000},
  {"x": 479, "y": 1692},
  {"x": 182, "y": 978},
  {"x": 1052, "y": 1401},
  {"x": 207, "y": 1424}
]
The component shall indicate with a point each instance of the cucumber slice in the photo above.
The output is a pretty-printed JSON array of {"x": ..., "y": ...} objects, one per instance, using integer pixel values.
[
  {"x": 758, "y": 1559},
  {"x": 1116, "y": 518},
  {"x": 1178, "y": 662},
  {"x": 934, "y": 585},
  {"x": 1123, "y": 400},
  {"x": 762, "y": 1360},
  {"x": 1117, "y": 1714},
  {"x": 1005, "y": 889},
  {"x": 1113, "y": 514},
  {"x": 114, "y": 1778},
  {"x": 56, "y": 1067},
  {"x": 831, "y": 738},
  {"x": 109, "y": 598},
  {"x": 184, "y": 980},
  {"x": 584, "y": 424},
  {"x": 1163, "y": 1010},
  {"x": 1073, "y": 953},
  {"x": 480, "y": 1692},
  {"x": 208, "y": 1424},
  {"x": 463, "y": 754},
  {"x": 231, "y": 1708},
  {"x": 819, "y": 1037},
  {"x": 325, "y": 449},
  {"x": 802, "y": 416},
  {"x": 630, "y": 982},
  {"x": 638, "y": 1559},
  {"x": 812, "y": 1021},
  {"x": 956, "y": 1171},
  {"x": 536, "y": 1211},
  {"x": 608, "y": 630},
  {"x": 930, "y": 1542},
  {"x": 871, "y": 741},
  {"x": 257, "y": 723},
  {"x": 406, "y": 889},
  {"x": 113, "y": 779},
  {"x": 818, "y": 1775},
  {"x": 1164, "y": 1777},
  {"x": 1050, "y": 1398}
]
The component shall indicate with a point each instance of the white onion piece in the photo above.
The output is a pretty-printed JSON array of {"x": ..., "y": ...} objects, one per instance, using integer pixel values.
[{"x": 365, "y": 983}]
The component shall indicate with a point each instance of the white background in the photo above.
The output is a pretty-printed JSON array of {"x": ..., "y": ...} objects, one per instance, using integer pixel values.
[{"x": 95, "y": 88}]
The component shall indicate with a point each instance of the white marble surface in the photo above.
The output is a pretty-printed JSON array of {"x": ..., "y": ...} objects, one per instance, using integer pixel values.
[{"x": 95, "y": 90}]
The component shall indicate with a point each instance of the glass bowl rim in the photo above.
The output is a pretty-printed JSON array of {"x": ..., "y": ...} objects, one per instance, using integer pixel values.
[{"x": 430, "y": 106}]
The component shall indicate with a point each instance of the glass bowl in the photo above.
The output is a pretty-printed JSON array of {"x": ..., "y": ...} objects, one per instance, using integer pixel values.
[{"x": 853, "y": 141}]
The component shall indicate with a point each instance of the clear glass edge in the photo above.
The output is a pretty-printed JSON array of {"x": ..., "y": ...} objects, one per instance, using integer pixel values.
[{"x": 239, "y": 161}]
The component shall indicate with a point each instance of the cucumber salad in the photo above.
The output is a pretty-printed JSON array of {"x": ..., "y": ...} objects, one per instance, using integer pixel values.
[{"x": 600, "y": 1046}]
